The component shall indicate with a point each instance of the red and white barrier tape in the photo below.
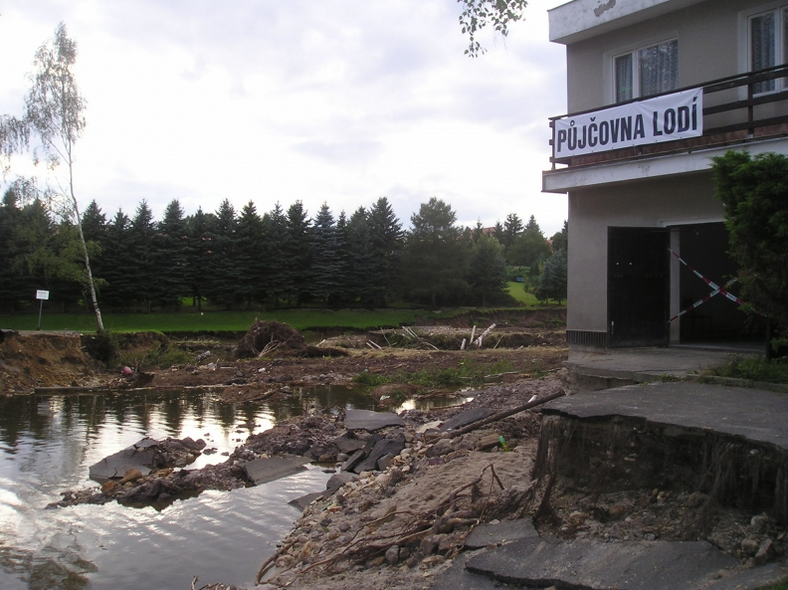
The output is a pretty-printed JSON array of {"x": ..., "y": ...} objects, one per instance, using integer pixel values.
[
  {"x": 712, "y": 284},
  {"x": 699, "y": 302}
]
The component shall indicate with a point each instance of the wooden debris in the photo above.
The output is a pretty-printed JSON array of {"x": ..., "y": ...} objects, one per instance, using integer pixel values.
[
  {"x": 506, "y": 414},
  {"x": 447, "y": 516},
  {"x": 269, "y": 348}
]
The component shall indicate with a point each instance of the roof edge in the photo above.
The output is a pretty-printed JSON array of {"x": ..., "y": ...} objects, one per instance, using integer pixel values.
[{"x": 582, "y": 19}]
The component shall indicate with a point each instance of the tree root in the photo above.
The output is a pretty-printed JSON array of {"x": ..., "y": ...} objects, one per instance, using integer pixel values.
[{"x": 369, "y": 542}]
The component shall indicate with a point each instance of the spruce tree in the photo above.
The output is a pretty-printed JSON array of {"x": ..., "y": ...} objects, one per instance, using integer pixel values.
[
  {"x": 298, "y": 254},
  {"x": 170, "y": 256},
  {"x": 198, "y": 255},
  {"x": 386, "y": 242},
  {"x": 487, "y": 271},
  {"x": 222, "y": 269},
  {"x": 345, "y": 293},
  {"x": 118, "y": 262},
  {"x": 360, "y": 258},
  {"x": 512, "y": 228},
  {"x": 16, "y": 289},
  {"x": 144, "y": 271},
  {"x": 435, "y": 256},
  {"x": 249, "y": 255},
  {"x": 275, "y": 246},
  {"x": 552, "y": 283},
  {"x": 327, "y": 268}
]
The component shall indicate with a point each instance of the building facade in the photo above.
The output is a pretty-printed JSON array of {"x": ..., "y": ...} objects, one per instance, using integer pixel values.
[{"x": 655, "y": 90}]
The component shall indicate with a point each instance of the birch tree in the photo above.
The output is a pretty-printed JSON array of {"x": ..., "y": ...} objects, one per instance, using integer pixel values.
[
  {"x": 480, "y": 14},
  {"x": 54, "y": 113}
]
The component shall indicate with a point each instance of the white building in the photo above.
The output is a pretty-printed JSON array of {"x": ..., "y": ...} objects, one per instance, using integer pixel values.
[{"x": 656, "y": 89}]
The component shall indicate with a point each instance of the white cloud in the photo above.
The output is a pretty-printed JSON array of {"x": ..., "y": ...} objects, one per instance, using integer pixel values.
[{"x": 338, "y": 102}]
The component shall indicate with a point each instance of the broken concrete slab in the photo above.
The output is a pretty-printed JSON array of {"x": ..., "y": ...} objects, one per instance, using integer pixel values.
[
  {"x": 348, "y": 445},
  {"x": 655, "y": 565},
  {"x": 368, "y": 420},
  {"x": 147, "y": 455},
  {"x": 384, "y": 462},
  {"x": 262, "y": 471},
  {"x": 755, "y": 414},
  {"x": 304, "y": 501},
  {"x": 457, "y": 577},
  {"x": 661, "y": 434},
  {"x": 757, "y": 577},
  {"x": 337, "y": 480},
  {"x": 353, "y": 460},
  {"x": 140, "y": 456},
  {"x": 467, "y": 417},
  {"x": 503, "y": 532},
  {"x": 382, "y": 447}
]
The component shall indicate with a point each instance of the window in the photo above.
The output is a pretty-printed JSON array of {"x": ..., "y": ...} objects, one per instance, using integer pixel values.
[
  {"x": 647, "y": 71},
  {"x": 768, "y": 45}
]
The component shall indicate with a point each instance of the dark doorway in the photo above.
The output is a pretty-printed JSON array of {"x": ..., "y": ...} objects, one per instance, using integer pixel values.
[
  {"x": 717, "y": 319},
  {"x": 638, "y": 286}
]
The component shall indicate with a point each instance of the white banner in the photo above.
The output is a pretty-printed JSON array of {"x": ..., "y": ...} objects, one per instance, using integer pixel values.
[{"x": 663, "y": 118}]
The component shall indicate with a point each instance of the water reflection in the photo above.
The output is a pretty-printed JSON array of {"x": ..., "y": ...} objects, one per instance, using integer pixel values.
[{"x": 47, "y": 444}]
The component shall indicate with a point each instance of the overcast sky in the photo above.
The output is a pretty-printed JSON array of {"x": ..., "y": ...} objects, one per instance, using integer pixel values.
[{"x": 337, "y": 101}]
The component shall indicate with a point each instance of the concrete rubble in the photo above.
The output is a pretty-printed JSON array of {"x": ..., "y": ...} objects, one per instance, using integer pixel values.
[
  {"x": 262, "y": 471},
  {"x": 371, "y": 421},
  {"x": 536, "y": 562}
]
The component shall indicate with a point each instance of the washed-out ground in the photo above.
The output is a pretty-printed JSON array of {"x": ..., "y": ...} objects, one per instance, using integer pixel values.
[{"x": 401, "y": 528}]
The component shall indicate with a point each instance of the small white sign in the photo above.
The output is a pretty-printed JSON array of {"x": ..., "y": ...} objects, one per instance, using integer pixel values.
[{"x": 42, "y": 295}]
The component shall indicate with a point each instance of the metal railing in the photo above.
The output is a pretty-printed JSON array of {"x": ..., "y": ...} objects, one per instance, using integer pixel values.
[{"x": 730, "y": 107}]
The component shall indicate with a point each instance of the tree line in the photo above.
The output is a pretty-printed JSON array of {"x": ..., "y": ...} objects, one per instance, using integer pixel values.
[
  {"x": 53, "y": 120},
  {"x": 244, "y": 259}
]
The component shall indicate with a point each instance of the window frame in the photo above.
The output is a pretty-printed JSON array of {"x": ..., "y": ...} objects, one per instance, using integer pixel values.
[
  {"x": 780, "y": 12},
  {"x": 633, "y": 52}
]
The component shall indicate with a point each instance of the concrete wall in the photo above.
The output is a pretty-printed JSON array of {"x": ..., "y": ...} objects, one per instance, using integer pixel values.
[
  {"x": 684, "y": 199},
  {"x": 710, "y": 47}
]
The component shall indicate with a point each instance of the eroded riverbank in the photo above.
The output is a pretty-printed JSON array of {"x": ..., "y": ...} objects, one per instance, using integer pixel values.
[{"x": 217, "y": 535}]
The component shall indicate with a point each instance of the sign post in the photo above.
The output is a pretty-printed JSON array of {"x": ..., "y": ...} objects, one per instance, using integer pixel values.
[{"x": 41, "y": 296}]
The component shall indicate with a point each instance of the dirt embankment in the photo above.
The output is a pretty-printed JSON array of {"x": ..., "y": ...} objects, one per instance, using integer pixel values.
[
  {"x": 387, "y": 529},
  {"x": 39, "y": 359},
  {"x": 541, "y": 318},
  {"x": 529, "y": 340}
]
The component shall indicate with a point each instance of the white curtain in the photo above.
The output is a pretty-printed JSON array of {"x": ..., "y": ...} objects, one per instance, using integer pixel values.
[
  {"x": 624, "y": 78},
  {"x": 659, "y": 68},
  {"x": 763, "y": 49}
]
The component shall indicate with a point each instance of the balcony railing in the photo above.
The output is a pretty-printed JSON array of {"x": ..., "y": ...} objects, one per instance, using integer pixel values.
[{"x": 734, "y": 112}]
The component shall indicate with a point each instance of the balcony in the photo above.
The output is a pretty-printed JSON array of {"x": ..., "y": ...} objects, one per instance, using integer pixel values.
[{"x": 736, "y": 110}]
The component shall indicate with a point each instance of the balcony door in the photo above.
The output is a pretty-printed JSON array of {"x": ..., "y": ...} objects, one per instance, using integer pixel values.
[{"x": 638, "y": 286}]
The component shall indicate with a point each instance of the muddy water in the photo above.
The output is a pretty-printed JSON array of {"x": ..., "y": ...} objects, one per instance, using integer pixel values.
[{"x": 47, "y": 444}]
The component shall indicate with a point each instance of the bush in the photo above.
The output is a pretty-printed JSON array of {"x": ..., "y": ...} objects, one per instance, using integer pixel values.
[
  {"x": 371, "y": 379},
  {"x": 755, "y": 369},
  {"x": 102, "y": 346}
]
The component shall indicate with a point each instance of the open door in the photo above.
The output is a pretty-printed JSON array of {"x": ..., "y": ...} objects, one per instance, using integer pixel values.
[{"x": 638, "y": 286}]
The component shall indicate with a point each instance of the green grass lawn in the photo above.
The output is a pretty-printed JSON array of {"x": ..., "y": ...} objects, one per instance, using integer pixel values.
[
  {"x": 517, "y": 291},
  {"x": 211, "y": 320},
  {"x": 214, "y": 321}
]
